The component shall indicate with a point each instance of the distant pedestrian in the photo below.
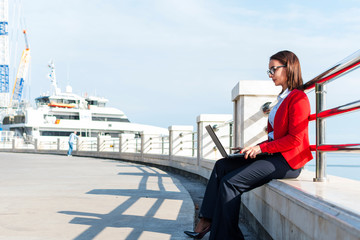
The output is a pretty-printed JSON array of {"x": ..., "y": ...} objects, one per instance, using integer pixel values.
[{"x": 72, "y": 138}]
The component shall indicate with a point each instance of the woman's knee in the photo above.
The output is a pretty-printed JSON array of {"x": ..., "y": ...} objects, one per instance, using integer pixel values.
[
  {"x": 219, "y": 164},
  {"x": 229, "y": 187}
]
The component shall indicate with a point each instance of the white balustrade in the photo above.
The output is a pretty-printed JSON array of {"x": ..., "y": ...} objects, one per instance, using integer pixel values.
[
  {"x": 206, "y": 147},
  {"x": 181, "y": 141},
  {"x": 249, "y": 120}
]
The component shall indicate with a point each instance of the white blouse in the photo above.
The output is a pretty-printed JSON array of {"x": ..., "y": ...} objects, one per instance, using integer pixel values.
[{"x": 273, "y": 111}]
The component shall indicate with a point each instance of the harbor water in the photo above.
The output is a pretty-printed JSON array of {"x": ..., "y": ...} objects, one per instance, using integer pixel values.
[{"x": 345, "y": 165}]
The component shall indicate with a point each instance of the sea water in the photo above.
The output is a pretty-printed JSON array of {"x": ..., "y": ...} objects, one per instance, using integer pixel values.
[{"x": 345, "y": 165}]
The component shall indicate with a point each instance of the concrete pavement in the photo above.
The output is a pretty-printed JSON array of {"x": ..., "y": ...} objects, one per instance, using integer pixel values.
[{"x": 60, "y": 197}]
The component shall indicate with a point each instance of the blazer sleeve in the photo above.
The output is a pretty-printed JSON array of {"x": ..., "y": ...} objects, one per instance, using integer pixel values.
[{"x": 298, "y": 115}]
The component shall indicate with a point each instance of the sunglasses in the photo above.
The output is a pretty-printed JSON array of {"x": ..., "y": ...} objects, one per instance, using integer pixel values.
[{"x": 272, "y": 70}]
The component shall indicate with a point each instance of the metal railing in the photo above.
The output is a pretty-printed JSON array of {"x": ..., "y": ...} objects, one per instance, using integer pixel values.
[
  {"x": 130, "y": 144},
  {"x": 343, "y": 67},
  {"x": 109, "y": 145},
  {"x": 318, "y": 83},
  {"x": 183, "y": 144},
  {"x": 187, "y": 143},
  {"x": 228, "y": 135},
  {"x": 154, "y": 143},
  {"x": 88, "y": 145}
]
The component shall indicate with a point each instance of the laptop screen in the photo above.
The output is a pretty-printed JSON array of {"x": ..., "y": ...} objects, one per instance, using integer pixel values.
[{"x": 216, "y": 140}]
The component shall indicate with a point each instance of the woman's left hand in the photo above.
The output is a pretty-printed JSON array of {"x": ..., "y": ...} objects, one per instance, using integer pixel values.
[{"x": 251, "y": 151}]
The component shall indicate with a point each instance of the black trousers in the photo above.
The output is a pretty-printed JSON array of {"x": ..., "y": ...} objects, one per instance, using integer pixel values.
[{"x": 230, "y": 178}]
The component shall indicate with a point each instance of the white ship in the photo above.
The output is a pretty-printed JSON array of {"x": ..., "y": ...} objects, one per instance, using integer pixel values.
[{"x": 61, "y": 113}]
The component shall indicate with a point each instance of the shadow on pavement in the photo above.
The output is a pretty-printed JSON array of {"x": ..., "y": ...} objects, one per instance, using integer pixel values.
[{"x": 158, "y": 209}]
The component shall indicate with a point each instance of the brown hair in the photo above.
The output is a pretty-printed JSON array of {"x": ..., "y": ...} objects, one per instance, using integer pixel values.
[{"x": 293, "y": 69}]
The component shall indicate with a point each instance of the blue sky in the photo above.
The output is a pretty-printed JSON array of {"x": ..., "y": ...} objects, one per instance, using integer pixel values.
[{"x": 164, "y": 62}]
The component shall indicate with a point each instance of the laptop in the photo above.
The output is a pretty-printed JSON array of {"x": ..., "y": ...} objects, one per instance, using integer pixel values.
[{"x": 221, "y": 148}]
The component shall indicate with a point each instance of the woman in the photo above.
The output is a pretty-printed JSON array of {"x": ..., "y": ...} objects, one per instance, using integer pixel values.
[{"x": 287, "y": 147}]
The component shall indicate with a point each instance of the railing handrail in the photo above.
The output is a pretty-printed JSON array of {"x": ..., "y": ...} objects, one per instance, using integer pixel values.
[
  {"x": 349, "y": 107},
  {"x": 345, "y": 66},
  {"x": 353, "y": 148}
]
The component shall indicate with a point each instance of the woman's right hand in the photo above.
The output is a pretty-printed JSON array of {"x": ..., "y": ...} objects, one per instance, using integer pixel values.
[
  {"x": 251, "y": 151},
  {"x": 237, "y": 149}
]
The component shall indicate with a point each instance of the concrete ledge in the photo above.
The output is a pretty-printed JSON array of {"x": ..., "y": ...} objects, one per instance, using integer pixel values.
[
  {"x": 290, "y": 209},
  {"x": 214, "y": 117},
  {"x": 254, "y": 87}
]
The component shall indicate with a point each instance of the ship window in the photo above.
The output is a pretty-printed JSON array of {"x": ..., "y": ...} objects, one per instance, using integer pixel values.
[
  {"x": 19, "y": 119},
  {"x": 54, "y": 133},
  {"x": 14, "y": 119},
  {"x": 68, "y": 117},
  {"x": 113, "y": 135},
  {"x": 42, "y": 101},
  {"x": 69, "y": 101},
  {"x": 110, "y": 119},
  {"x": 8, "y": 120}
]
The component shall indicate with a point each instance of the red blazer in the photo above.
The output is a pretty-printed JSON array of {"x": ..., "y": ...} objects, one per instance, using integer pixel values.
[{"x": 291, "y": 134}]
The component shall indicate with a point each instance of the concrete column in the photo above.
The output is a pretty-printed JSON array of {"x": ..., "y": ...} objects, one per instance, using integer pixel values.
[
  {"x": 120, "y": 143},
  {"x": 142, "y": 144},
  {"x": 206, "y": 147},
  {"x": 14, "y": 143},
  {"x": 249, "y": 120},
  {"x": 170, "y": 142},
  {"x": 36, "y": 144},
  {"x": 98, "y": 143},
  {"x": 58, "y": 144},
  {"x": 180, "y": 140},
  {"x": 77, "y": 145}
]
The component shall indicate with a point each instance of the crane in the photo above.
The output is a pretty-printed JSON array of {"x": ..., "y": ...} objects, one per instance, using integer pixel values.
[{"x": 21, "y": 73}]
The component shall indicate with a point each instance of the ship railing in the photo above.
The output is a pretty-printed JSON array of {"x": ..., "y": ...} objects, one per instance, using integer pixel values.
[{"x": 321, "y": 113}]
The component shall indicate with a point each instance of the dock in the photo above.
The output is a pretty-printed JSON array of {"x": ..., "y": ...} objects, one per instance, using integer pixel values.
[{"x": 59, "y": 197}]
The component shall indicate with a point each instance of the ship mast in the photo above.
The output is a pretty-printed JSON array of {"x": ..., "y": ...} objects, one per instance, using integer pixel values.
[{"x": 52, "y": 76}]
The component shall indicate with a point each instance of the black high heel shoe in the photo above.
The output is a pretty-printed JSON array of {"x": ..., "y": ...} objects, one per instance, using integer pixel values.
[{"x": 197, "y": 235}]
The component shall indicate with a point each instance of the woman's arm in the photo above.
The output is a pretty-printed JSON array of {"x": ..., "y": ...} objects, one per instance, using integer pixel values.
[{"x": 298, "y": 114}]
